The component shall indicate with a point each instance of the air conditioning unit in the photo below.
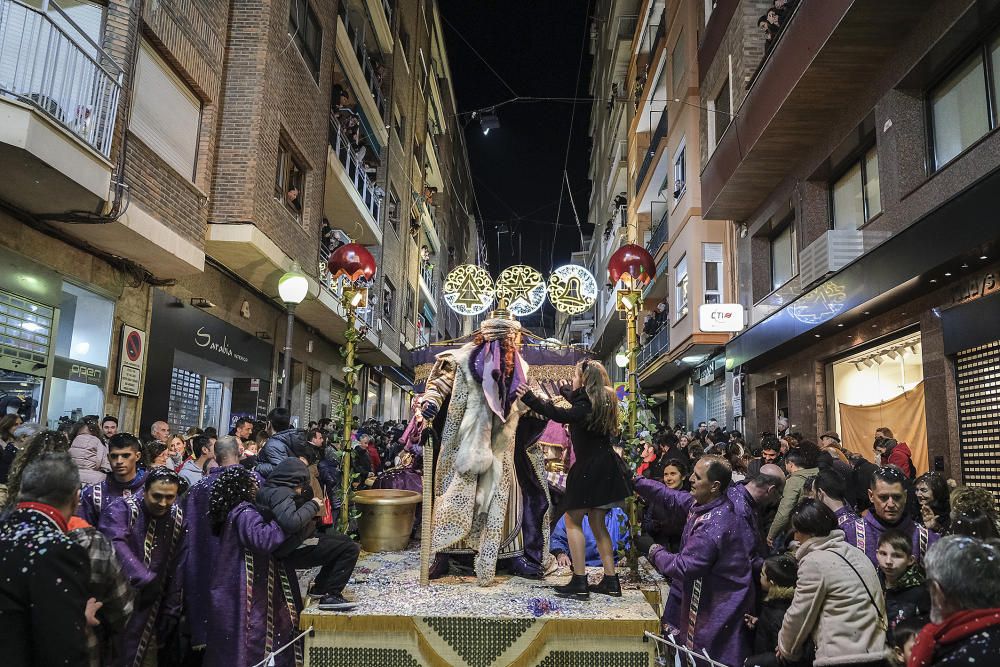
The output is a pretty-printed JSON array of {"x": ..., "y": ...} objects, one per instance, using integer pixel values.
[{"x": 833, "y": 250}]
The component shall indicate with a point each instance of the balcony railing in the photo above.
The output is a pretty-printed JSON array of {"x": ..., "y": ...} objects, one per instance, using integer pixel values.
[
  {"x": 387, "y": 8},
  {"x": 657, "y": 345},
  {"x": 658, "y": 134},
  {"x": 427, "y": 275},
  {"x": 370, "y": 194},
  {"x": 356, "y": 35},
  {"x": 60, "y": 71},
  {"x": 659, "y": 236}
]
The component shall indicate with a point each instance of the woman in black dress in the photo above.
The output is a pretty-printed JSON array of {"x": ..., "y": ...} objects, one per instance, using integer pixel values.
[{"x": 596, "y": 481}]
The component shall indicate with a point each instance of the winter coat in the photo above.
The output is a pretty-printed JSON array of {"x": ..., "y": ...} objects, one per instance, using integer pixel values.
[
  {"x": 278, "y": 501},
  {"x": 91, "y": 456},
  {"x": 7, "y": 456},
  {"x": 831, "y": 606},
  {"x": 909, "y": 597},
  {"x": 191, "y": 471},
  {"x": 277, "y": 448},
  {"x": 970, "y": 637},
  {"x": 765, "y": 638},
  {"x": 789, "y": 499},
  {"x": 901, "y": 457}
]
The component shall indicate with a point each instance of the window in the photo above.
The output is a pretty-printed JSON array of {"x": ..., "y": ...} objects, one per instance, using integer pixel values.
[
  {"x": 681, "y": 287},
  {"x": 399, "y": 125},
  {"x": 304, "y": 28},
  {"x": 404, "y": 44},
  {"x": 723, "y": 109},
  {"x": 290, "y": 182},
  {"x": 680, "y": 171},
  {"x": 783, "y": 256},
  {"x": 411, "y": 304},
  {"x": 679, "y": 59},
  {"x": 166, "y": 115},
  {"x": 712, "y": 253},
  {"x": 388, "y": 302},
  {"x": 393, "y": 210},
  {"x": 424, "y": 75},
  {"x": 856, "y": 195},
  {"x": 961, "y": 105}
]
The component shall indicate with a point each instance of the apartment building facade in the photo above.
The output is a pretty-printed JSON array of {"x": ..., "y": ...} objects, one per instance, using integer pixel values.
[
  {"x": 859, "y": 167},
  {"x": 170, "y": 165},
  {"x": 660, "y": 134}
]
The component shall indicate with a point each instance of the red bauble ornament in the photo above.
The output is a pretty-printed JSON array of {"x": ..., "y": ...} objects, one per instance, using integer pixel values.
[
  {"x": 352, "y": 260},
  {"x": 633, "y": 263}
]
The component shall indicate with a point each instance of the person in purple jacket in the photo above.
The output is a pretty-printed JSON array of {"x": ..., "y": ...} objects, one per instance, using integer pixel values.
[
  {"x": 124, "y": 453},
  {"x": 204, "y": 543},
  {"x": 253, "y": 594},
  {"x": 888, "y": 497},
  {"x": 149, "y": 534},
  {"x": 713, "y": 570}
]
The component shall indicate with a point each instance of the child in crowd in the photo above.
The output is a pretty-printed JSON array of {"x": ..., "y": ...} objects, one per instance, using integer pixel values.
[
  {"x": 906, "y": 593},
  {"x": 902, "y": 638},
  {"x": 777, "y": 584}
]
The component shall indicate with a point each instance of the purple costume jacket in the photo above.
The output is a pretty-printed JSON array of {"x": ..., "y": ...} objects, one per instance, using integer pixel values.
[
  {"x": 203, "y": 549},
  {"x": 845, "y": 515},
  {"x": 148, "y": 549},
  {"x": 866, "y": 531},
  {"x": 95, "y": 497},
  {"x": 711, "y": 579},
  {"x": 253, "y": 605}
]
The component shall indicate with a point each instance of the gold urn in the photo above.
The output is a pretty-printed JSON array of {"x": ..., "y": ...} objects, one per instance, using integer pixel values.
[{"x": 387, "y": 517}]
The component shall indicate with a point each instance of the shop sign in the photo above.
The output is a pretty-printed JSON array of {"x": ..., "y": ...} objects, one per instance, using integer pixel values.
[
  {"x": 721, "y": 317},
  {"x": 976, "y": 287},
  {"x": 706, "y": 374},
  {"x": 130, "y": 360},
  {"x": 77, "y": 371},
  {"x": 737, "y": 391}
]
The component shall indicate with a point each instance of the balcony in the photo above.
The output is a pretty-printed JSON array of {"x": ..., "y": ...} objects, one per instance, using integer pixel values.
[
  {"x": 59, "y": 94},
  {"x": 428, "y": 286},
  {"x": 351, "y": 197},
  {"x": 657, "y": 345},
  {"x": 427, "y": 216},
  {"x": 359, "y": 66},
  {"x": 829, "y": 51},
  {"x": 658, "y": 240},
  {"x": 654, "y": 144}
]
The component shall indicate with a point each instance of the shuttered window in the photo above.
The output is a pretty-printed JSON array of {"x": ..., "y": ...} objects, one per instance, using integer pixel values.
[{"x": 166, "y": 115}]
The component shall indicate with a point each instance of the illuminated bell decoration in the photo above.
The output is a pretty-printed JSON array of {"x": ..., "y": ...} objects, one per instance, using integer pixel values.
[
  {"x": 633, "y": 264},
  {"x": 522, "y": 288},
  {"x": 352, "y": 261},
  {"x": 468, "y": 289},
  {"x": 572, "y": 289}
]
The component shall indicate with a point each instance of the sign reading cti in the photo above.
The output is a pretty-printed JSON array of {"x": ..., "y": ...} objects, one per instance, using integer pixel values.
[{"x": 721, "y": 317}]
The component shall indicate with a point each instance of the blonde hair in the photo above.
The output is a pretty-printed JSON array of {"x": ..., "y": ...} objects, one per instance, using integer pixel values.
[{"x": 604, "y": 404}]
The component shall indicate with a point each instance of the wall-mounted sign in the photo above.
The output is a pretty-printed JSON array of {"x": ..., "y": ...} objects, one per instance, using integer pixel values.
[
  {"x": 737, "y": 394},
  {"x": 706, "y": 374},
  {"x": 721, "y": 317},
  {"x": 130, "y": 361},
  {"x": 975, "y": 287},
  {"x": 65, "y": 368}
]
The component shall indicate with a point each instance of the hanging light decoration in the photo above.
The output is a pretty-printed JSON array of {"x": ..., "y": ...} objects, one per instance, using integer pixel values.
[
  {"x": 353, "y": 261},
  {"x": 633, "y": 264}
]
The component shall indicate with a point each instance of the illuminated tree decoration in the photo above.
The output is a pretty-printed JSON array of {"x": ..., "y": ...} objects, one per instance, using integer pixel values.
[
  {"x": 468, "y": 289},
  {"x": 523, "y": 289},
  {"x": 572, "y": 289}
]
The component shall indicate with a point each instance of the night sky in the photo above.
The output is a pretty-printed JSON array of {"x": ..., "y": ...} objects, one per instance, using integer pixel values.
[{"x": 517, "y": 170}]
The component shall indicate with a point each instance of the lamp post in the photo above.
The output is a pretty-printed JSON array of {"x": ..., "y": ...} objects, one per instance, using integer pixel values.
[
  {"x": 292, "y": 290},
  {"x": 633, "y": 266},
  {"x": 354, "y": 262}
]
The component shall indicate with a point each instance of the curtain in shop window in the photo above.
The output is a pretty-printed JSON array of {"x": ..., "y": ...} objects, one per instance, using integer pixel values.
[{"x": 904, "y": 415}]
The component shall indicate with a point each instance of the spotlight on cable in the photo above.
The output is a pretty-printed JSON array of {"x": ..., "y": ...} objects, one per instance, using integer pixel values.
[{"x": 488, "y": 120}]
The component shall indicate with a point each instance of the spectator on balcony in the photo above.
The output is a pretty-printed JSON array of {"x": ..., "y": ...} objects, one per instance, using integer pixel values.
[
  {"x": 785, "y": 9},
  {"x": 770, "y": 32},
  {"x": 292, "y": 197}
]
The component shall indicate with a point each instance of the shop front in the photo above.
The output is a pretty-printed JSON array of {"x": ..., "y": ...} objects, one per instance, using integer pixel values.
[{"x": 205, "y": 372}]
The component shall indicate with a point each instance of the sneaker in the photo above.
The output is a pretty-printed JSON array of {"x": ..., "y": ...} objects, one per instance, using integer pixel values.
[{"x": 334, "y": 602}]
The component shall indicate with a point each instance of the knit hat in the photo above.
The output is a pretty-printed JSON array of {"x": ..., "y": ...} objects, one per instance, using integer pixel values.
[
  {"x": 782, "y": 570},
  {"x": 833, "y": 435}
]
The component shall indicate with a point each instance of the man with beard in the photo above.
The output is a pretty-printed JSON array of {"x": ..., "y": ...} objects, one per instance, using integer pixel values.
[
  {"x": 149, "y": 534},
  {"x": 888, "y": 498},
  {"x": 124, "y": 453}
]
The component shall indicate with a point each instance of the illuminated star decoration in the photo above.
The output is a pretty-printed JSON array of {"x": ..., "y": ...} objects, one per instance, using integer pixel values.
[
  {"x": 522, "y": 287},
  {"x": 572, "y": 289},
  {"x": 468, "y": 289}
]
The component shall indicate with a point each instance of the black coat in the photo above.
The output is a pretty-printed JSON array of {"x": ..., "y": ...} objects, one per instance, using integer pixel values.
[
  {"x": 765, "y": 635},
  {"x": 294, "y": 513},
  {"x": 980, "y": 648},
  {"x": 597, "y": 476},
  {"x": 43, "y": 593}
]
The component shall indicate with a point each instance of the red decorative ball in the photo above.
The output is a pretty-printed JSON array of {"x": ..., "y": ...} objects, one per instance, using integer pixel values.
[
  {"x": 633, "y": 263},
  {"x": 352, "y": 260}
]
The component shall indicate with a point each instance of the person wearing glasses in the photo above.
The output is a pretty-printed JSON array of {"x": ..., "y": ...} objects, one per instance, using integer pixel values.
[
  {"x": 125, "y": 480},
  {"x": 149, "y": 534},
  {"x": 888, "y": 496}
]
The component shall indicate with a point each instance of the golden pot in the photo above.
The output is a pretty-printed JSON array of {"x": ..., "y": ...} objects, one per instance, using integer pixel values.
[{"x": 387, "y": 517}]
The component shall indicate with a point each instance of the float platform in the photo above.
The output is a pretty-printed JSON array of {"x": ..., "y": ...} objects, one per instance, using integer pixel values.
[{"x": 453, "y": 622}]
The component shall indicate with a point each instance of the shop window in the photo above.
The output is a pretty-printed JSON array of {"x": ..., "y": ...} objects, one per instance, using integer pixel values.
[
  {"x": 713, "y": 272},
  {"x": 185, "y": 399},
  {"x": 306, "y": 32},
  {"x": 856, "y": 195},
  {"x": 83, "y": 346},
  {"x": 679, "y": 59},
  {"x": 25, "y": 336},
  {"x": 290, "y": 182},
  {"x": 681, "y": 288},
  {"x": 166, "y": 114},
  {"x": 783, "y": 256},
  {"x": 963, "y": 106}
]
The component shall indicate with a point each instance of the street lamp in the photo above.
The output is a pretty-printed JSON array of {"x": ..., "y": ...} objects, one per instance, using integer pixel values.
[
  {"x": 292, "y": 290},
  {"x": 634, "y": 268},
  {"x": 353, "y": 262}
]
